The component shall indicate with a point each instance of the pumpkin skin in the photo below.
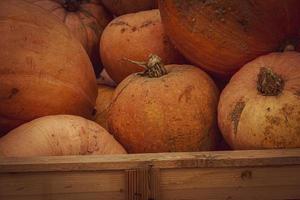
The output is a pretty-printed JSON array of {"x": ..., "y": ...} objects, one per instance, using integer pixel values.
[
  {"x": 44, "y": 70},
  {"x": 250, "y": 120},
  {"x": 172, "y": 113},
  {"x": 59, "y": 135},
  {"x": 135, "y": 37},
  {"x": 103, "y": 101},
  {"x": 121, "y": 7},
  {"x": 86, "y": 19},
  {"x": 221, "y": 36}
]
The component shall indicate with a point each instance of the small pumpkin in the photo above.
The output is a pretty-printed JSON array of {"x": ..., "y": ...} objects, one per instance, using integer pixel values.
[
  {"x": 222, "y": 35},
  {"x": 134, "y": 37},
  {"x": 165, "y": 109},
  {"x": 59, "y": 135},
  {"x": 85, "y": 18},
  {"x": 44, "y": 70},
  {"x": 104, "y": 99},
  {"x": 121, "y": 7},
  {"x": 260, "y": 107}
]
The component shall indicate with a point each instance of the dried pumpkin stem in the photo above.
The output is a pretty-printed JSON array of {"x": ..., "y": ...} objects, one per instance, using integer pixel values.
[
  {"x": 72, "y": 5},
  {"x": 269, "y": 83},
  {"x": 154, "y": 68}
]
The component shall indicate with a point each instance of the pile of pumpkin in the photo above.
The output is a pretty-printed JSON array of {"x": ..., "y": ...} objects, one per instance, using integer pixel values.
[{"x": 165, "y": 85}]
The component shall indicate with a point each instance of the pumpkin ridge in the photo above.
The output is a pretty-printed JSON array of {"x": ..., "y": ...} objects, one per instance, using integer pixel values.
[
  {"x": 81, "y": 22},
  {"x": 90, "y": 14}
]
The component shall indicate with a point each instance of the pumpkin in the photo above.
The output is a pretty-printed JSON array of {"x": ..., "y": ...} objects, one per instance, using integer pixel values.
[
  {"x": 59, "y": 135},
  {"x": 221, "y": 36},
  {"x": 260, "y": 107},
  {"x": 86, "y": 19},
  {"x": 121, "y": 7},
  {"x": 165, "y": 109},
  {"x": 43, "y": 69},
  {"x": 134, "y": 37},
  {"x": 105, "y": 94}
]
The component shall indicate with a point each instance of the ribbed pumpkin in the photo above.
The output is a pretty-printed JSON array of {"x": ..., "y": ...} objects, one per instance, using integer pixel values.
[
  {"x": 85, "y": 18},
  {"x": 260, "y": 107},
  {"x": 43, "y": 69},
  {"x": 223, "y": 35},
  {"x": 165, "y": 109}
]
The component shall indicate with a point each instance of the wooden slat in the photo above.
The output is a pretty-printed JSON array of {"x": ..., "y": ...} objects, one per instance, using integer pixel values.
[
  {"x": 63, "y": 185},
  {"x": 231, "y": 183},
  {"x": 162, "y": 160}
]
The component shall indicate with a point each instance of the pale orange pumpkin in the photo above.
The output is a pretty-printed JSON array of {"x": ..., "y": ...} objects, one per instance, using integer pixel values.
[
  {"x": 165, "y": 110},
  {"x": 222, "y": 35},
  {"x": 260, "y": 107},
  {"x": 44, "y": 70},
  {"x": 85, "y": 18},
  {"x": 59, "y": 135}
]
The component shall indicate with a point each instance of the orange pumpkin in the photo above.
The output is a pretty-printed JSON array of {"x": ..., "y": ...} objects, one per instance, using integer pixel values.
[
  {"x": 44, "y": 70},
  {"x": 222, "y": 35},
  {"x": 260, "y": 107},
  {"x": 134, "y": 37},
  {"x": 121, "y": 7},
  {"x": 103, "y": 102},
  {"x": 165, "y": 110},
  {"x": 85, "y": 18}
]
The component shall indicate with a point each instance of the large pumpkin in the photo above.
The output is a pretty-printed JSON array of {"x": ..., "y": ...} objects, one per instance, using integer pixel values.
[
  {"x": 260, "y": 107},
  {"x": 135, "y": 36},
  {"x": 165, "y": 110},
  {"x": 85, "y": 18},
  {"x": 43, "y": 69},
  {"x": 223, "y": 35},
  {"x": 121, "y": 7}
]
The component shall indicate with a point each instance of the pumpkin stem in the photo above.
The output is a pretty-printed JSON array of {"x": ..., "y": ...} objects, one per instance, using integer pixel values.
[
  {"x": 72, "y": 5},
  {"x": 154, "y": 67},
  {"x": 269, "y": 83}
]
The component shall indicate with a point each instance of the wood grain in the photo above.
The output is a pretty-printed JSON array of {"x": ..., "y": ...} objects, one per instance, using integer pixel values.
[{"x": 161, "y": 160}]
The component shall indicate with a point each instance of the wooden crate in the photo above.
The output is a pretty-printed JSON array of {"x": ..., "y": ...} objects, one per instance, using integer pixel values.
[{"x": 266, "y": 174}]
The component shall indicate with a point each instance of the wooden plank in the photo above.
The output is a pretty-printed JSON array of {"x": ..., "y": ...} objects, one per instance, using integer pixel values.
[
  {"x": 162, "y": 160},
  {"x": 63, "y": 185},
  {"x": 231, "y": 183}
]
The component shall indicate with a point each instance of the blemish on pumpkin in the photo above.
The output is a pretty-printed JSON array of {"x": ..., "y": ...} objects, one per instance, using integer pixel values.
[
  {"x": 268, "y": 109},
  {"x": 68, "y": 186},
  {"x": 123, "y": 30},
  {"x": 13, "y": 92},
  {"x": 236, "y": 114},
  {"x": 133, "y": 29},
  {"x": 273, "y": 120},
  {"x": 147, "y": 23},
  {"x": 246, "y": 175},
  {"x": 119, "y": 23},
  {"x": 187, "y": 93}
]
